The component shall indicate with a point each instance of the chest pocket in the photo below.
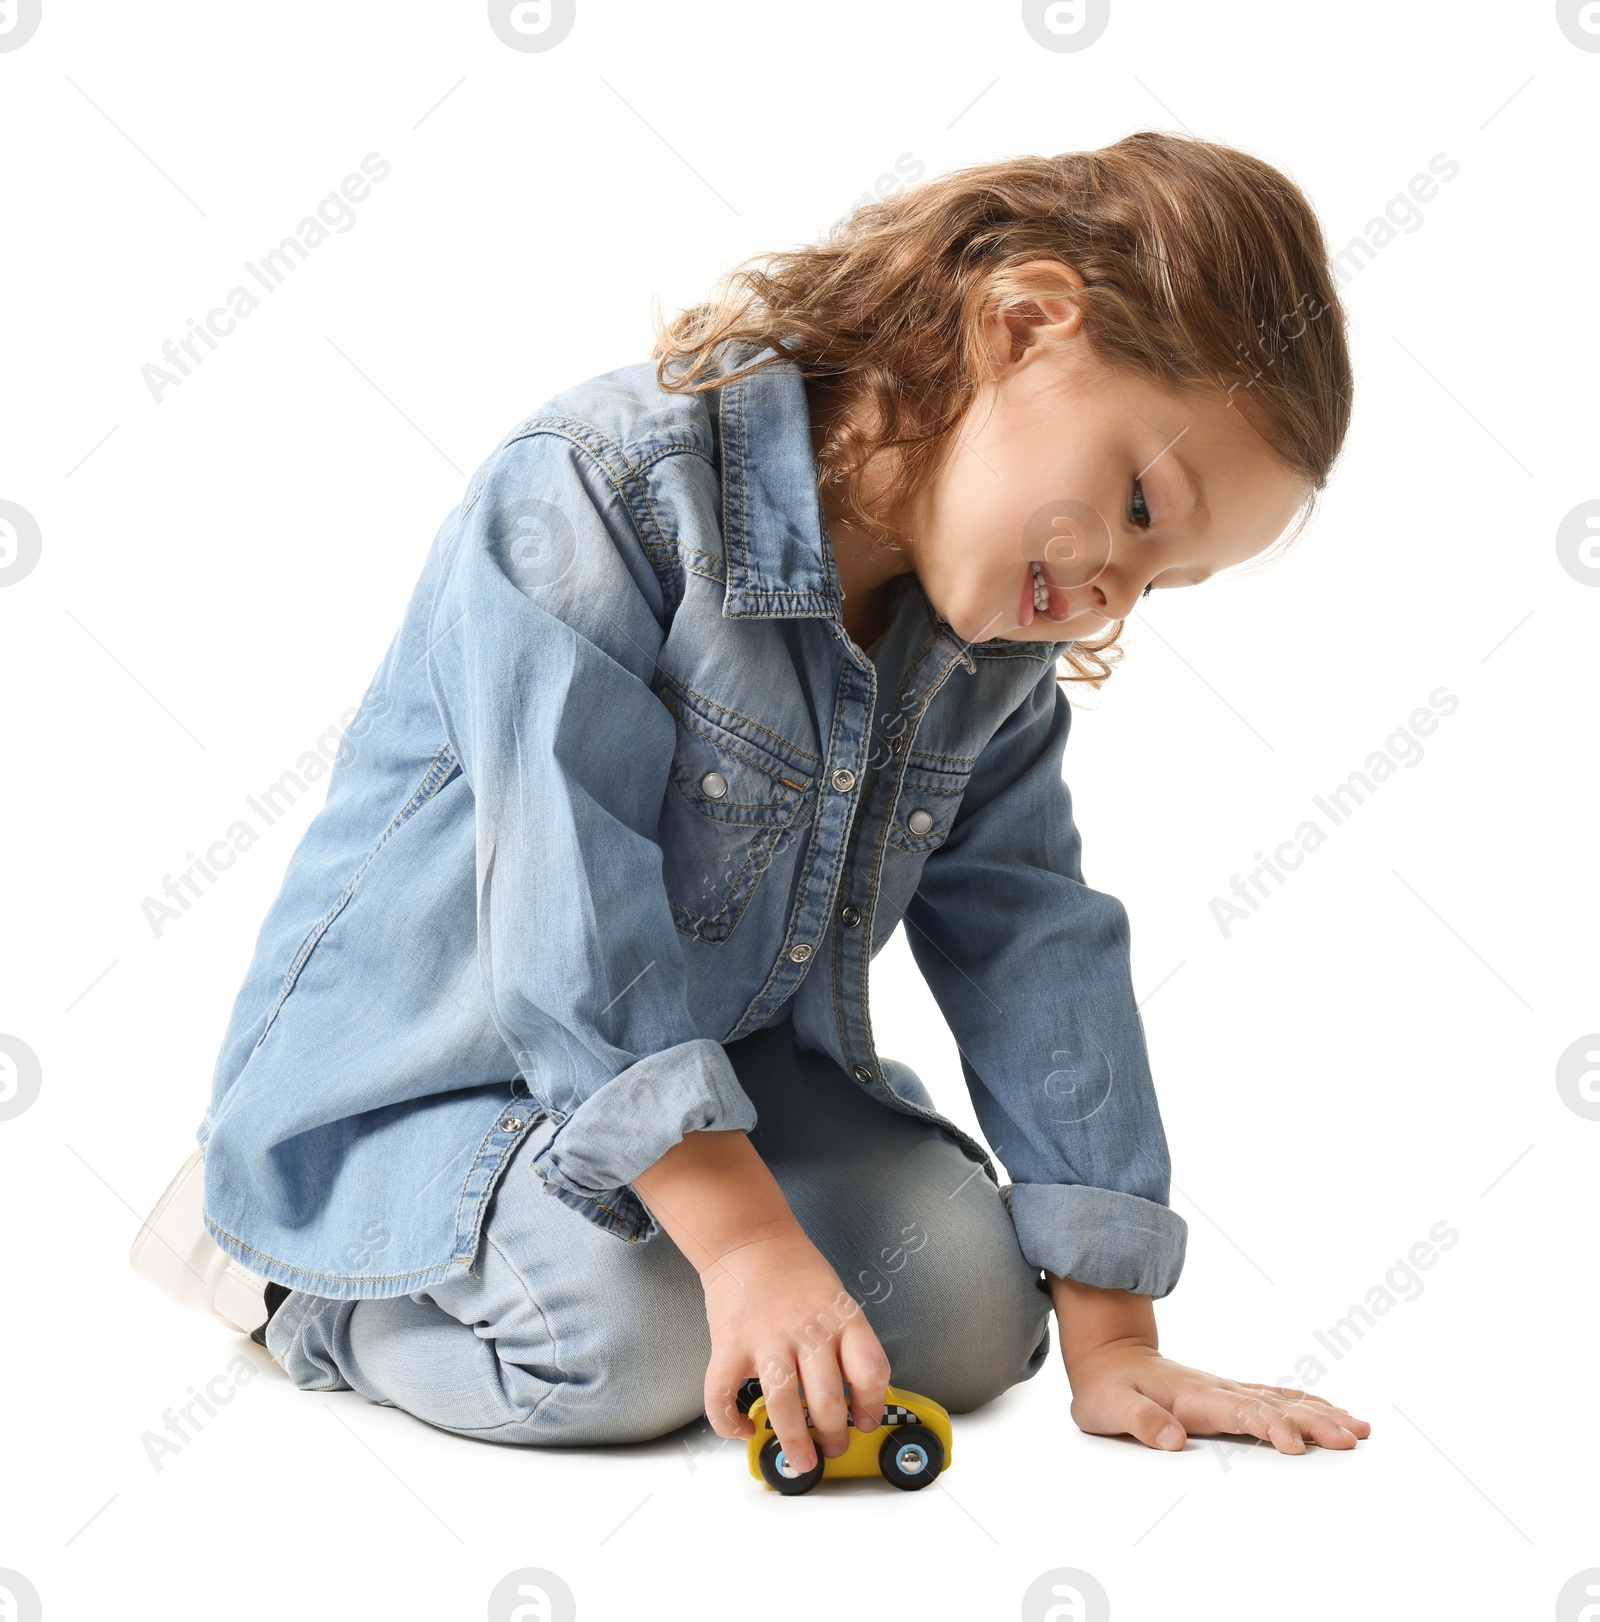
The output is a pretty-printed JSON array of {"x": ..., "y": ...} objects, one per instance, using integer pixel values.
[
  {"x": 734, "y": 799},
  {"x": 930, "y": 796}
]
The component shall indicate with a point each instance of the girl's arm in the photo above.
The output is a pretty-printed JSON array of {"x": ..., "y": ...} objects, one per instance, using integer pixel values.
[
  {"x": 544, "y": 635},
  {"x": 1091, "y": 1318},
  {"x": 776, "y": 1309},
  {"x": 1030, "y": 967}
]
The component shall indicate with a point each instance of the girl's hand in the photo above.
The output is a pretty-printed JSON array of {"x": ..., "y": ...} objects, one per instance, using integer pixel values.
[
  {"x": 777, "y": 1310},
  {"x": 1127, "y": 1388},
  {"x": 775, "y": 1307}
]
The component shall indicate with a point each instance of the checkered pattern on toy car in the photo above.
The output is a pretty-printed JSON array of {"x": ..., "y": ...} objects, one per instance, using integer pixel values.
[{"x": 893, "y": 1414}]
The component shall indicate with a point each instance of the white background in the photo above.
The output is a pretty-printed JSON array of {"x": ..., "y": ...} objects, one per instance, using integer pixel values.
[{"x": 1371, "y": 1053}]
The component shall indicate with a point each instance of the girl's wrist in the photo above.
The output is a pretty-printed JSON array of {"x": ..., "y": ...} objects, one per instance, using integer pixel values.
[
  {"x": 714, "y": 1194},
  {"x": 772, "y": 1233},
  {"x": 1089, "y": 1319}
]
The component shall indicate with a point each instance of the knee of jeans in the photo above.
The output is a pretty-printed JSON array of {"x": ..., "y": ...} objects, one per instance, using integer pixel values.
[
  {"x": 633, "y": 1373},
  {"x": 988, "y": 1346},
  {"x": 962, "y": 1315},
  {"x": 648, "y": 1377}
]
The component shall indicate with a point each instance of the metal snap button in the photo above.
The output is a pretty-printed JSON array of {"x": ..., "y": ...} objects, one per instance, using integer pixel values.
[
  {"x": 844, "y": 780},
  {"x": 714, "y": 785},
  {"x": 799, "y": 954},
  {"x": 862, "y": 1074},
  {"x": 920, "y": 821},
  {"x": 850, "y": 916},
  {"x": 897, "y": 743},
  {"x": 511, "y": 1124}
]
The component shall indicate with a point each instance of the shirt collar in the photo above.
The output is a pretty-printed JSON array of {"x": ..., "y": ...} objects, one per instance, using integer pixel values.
[
  {"x": 778, "y": 560},
  {"x": 779, "y": 564}
]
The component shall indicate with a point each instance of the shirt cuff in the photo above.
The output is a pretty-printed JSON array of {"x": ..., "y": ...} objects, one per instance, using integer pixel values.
[
  {"x": 624, "y": 1128},
  {"x": 1099, "y": 1236}
]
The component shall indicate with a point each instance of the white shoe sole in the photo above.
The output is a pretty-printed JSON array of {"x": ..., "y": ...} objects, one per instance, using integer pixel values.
[{"x": 174, "y": 1252}]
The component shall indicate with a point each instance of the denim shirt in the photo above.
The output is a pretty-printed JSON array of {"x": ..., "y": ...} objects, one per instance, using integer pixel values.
[{"x": 623, "y": 790}]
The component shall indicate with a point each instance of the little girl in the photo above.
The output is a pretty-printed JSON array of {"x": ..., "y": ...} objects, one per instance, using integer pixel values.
[{"x": 723, "y": 667}]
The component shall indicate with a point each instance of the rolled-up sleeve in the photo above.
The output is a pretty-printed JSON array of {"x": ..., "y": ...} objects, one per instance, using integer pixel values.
[
  {"x": 1031, "y": 971},
  {"x": 543, "y": 636}
]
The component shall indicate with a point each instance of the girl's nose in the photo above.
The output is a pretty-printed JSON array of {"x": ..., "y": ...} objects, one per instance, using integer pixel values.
[{"x": 1117, "y": 603}]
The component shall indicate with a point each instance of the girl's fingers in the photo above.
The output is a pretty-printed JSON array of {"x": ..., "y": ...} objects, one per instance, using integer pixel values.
[
  {"x": 1205, "y": 1405},
  {"x": 866, "y": 1368},
  {"x": 1325, "y": 1430},
  {"x": 1153, "y": 1425},
  {"x": 1290, "y": 1392},
  {"x": 1321, "y": 1408},
  {"x": 1327, "y": 1426},
  {"x": 781, "y": 1387},
  {"x": 1279, "y": 1391},
  {"x": 1245, "y": 1415},
  {"x": 723, "y": 1380},
  {"x": 823, "y": 1394}
]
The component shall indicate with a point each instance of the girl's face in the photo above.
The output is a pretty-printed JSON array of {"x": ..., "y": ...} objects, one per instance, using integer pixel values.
[{"x": 1110, "y": 483}]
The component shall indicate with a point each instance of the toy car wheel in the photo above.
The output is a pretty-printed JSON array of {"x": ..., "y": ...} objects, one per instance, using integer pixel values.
[
  {"x": 911, "y": 1456},
  {"x": 749, "y": 1390},
  {"x": 780, "y": 1475}
]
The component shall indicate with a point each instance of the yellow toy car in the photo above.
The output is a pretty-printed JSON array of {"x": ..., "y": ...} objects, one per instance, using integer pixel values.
[{"x": 908, "y": 1449}]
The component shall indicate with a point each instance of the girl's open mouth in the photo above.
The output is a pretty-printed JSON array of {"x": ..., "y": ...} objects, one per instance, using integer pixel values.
[{"x": 1037, "y": 595}]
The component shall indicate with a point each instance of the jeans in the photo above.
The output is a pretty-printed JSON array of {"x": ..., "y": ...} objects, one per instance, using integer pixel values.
[{"x": 569, "y": 1335}]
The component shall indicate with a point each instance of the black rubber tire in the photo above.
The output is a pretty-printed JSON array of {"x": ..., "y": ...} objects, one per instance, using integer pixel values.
[
  {"x": 889, "y": 1457},
  {"x": 749, "y": 1390},
  {"x": 789, "y": 1486}
]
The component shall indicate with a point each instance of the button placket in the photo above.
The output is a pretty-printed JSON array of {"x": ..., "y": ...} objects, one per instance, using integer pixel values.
[
  {"x": 833, "y": 824},
  {"x": 854, "y": 959}
]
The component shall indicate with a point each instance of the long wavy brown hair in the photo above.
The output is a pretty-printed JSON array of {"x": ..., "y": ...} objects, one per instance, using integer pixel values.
[{"x": 1203, "y": 267}]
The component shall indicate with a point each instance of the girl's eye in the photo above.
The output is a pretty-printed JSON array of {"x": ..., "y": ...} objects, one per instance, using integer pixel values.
[{"x": 1138, "y": 511}]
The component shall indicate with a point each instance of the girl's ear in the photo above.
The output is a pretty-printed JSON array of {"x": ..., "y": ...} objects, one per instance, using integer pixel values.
[{"x": 1025, "y": 314}]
